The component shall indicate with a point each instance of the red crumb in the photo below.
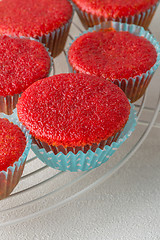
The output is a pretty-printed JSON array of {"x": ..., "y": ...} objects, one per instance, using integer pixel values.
[
  {"x": 33, "y": 18},
  {"x": 73, "y": 109},
  {"x": 112, "y": 54},
  {"x": 22, "y": 62},
  {"x": 116, "y": 8},
  {"x": 12, "y": 143}
]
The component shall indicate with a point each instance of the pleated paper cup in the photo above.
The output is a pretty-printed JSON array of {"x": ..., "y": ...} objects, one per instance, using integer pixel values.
[
  {"x": 80, "y": 161},
  {"x": 134, "y": 87},
  {"x": 142, "y": 19},
  {"x": 75, "y": 150},
  {"x": 10, "y": 178},
  {"x": 55, "y": 41}
]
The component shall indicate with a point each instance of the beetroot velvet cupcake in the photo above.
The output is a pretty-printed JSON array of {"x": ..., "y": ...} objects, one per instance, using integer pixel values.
[
  {"x": 14, "y": 147},
  {"x": 139, "y": 12},
  {"x": 72, "y": 113},
  {"x": 46, "y": 20},
  {"x": 23, "y": 61},
  {"x": 125, "y": 54}
]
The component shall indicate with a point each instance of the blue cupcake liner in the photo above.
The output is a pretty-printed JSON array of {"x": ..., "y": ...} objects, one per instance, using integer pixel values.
[
  {"x": 141, "y": 19},
  {"x": 11, "y": 176},
  {"x": 135, "y": 87},
  {"x": 86, "y": 161},
  {"x": 8, "y": 103}
]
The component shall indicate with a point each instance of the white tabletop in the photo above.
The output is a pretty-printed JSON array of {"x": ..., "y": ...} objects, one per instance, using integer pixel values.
[{"x": 126, "y": 206}]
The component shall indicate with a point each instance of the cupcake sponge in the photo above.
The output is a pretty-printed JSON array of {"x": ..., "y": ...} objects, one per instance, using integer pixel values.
[
  {"x": 73, "y": 109},
  {"x": 12, "y": 143}
]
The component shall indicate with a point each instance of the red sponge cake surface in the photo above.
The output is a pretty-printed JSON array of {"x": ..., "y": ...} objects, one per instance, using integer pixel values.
[{"x": 73, "y": 109}]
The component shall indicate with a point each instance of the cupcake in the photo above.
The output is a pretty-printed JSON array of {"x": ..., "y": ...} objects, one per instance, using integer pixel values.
[
  {"x": 23, "y": 61},
  {"x": 46, "y": 20},
  {"x": 139, "y": 12},
  {"x": 15, "y": 143},
  {"x": 71, "y": 114},
  {"x": 125, "y": 54}
]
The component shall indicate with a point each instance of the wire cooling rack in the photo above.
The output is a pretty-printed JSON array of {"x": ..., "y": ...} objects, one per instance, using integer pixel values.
[{"x": 42, "y": 189}]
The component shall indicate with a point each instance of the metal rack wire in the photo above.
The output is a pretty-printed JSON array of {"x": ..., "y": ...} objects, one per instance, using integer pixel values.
[{"x": 41, "y": 188}]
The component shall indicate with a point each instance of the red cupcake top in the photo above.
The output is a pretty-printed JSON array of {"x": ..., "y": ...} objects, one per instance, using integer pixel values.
[
  {"x": 73, "y": 109},
  {"x": 12, "y": 143},
  {"x": 116, "y": 8},
  {"x": 23, "y": 62},
  {"x": 112, "y": 54},
  {"x": 33, "y": 18}
]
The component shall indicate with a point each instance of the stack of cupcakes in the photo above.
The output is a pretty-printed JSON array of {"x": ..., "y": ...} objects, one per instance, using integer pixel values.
[
  {"x": 24, "y": 60},
  {"x": 77, "y": 120}
]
